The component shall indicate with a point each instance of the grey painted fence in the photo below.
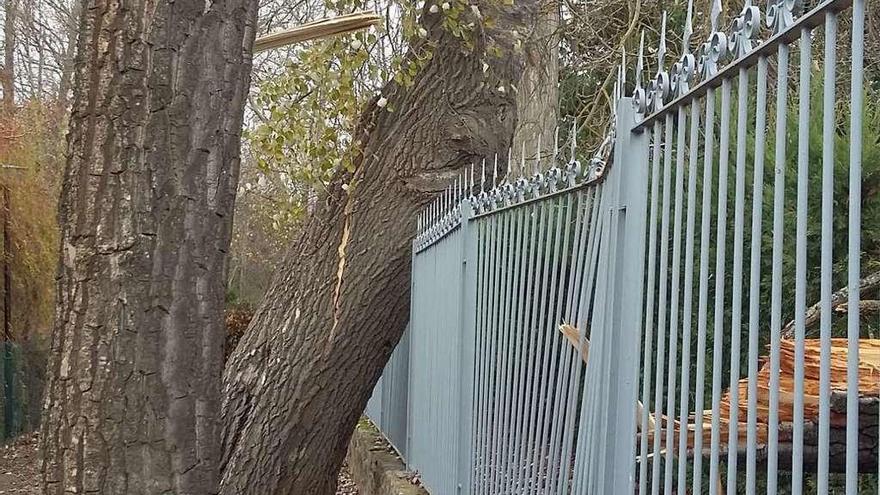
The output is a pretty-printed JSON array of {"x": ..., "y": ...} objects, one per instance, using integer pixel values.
[{"x": 575, "y": 331}]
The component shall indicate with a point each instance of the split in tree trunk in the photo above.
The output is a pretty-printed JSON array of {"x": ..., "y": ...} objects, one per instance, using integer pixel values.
[{"x": 301, "y": 376}]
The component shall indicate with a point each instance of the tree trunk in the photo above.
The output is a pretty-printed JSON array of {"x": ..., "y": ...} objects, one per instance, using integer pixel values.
[
  {"x": 66, "y": 77},
  {"x": 7, "y": 75},
  {"x": 298, "y": 381},
  {"x": 537, "y": 96},
  {"x": 132, "y": 402}
]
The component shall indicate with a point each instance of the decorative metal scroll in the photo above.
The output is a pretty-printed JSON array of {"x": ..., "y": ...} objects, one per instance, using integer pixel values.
[{"x": 720, "y": 48}]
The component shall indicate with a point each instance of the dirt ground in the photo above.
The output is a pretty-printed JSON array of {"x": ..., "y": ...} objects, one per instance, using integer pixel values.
[{"x": 19, "y": 469}]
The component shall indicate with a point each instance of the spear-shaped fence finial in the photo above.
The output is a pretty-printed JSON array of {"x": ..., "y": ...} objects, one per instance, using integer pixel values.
[
  {"x": 509, "y": 173},
  {"x": 715, "y": 14},
  {"x": 688, "y": 28},
  {"x": 482, "y": 174},
  {"x": 661, "y": 50},
  {"x": 495, "y": 172},
  {"x": 538, "y": 155},
  {"x": 640, "y": 62},
  {"x": 574, "y": 124},
  {"x": 555, "y": 144}
]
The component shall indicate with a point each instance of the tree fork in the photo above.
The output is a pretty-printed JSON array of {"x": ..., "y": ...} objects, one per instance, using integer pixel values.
[{"x": 299, "y": 379}]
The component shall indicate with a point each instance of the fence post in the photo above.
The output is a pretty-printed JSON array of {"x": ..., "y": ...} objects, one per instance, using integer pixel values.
[
  {"x": 410, "y": 368},
  {"x": 467, "y": 347},
  {"x": 630, "y": 175}
]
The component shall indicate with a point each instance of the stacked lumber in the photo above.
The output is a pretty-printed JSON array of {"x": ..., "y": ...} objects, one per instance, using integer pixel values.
[
  {"x": 869, "y": 392},
  {"x": 869, "y": 382}
]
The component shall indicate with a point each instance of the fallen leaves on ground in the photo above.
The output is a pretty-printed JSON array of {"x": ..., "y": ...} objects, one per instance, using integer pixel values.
[{"x": 19, "y": 468}]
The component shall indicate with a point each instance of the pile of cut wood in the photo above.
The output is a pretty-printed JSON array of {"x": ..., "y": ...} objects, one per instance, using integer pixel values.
[{"x": 869, "y": 398}]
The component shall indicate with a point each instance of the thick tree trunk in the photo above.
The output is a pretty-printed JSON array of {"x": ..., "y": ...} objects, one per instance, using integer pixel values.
[
  {"x": 301, "y": 376},
  {"x": 537, "y": 96},
  {"x": 7, "y": 75},
  {"x": 132, "y": 403},
  {"x": 66, "y": 77}
]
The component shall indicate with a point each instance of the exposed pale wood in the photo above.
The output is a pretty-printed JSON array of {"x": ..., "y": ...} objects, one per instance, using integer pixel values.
[
  {"x": 283, "y": 378},
  {"x": 572, "y": 334},
  {"x": 869, "y": 391},
  {"x": 323, "y": 28}
]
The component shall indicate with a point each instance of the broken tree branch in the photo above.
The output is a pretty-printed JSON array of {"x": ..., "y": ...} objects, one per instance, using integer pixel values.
[
  {"x": 319, "y": 29},
  {"x": 839, "y": 298}
]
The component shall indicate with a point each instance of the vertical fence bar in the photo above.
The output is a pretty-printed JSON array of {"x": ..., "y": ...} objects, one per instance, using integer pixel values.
[
  {"x": 854, "y": 244},
  {"x": 742, "y": 115},
  {"x": 703, "y": 304},
  {"x": 755, "y": 274},
  {"x": 662, "y": 308},
  {"x": 674, "y": 300},
  {"x": 800, "y": 305},
  {"x": 482, "y": 350},
  {"x": 776, "y": 288},
  {"x": 508, "y": 248},
  {"x": 590, "y": 317},
  {"x": 720, "y": 264},
  {"x": 687, "y": 307},
  {"x": 601, "y": 332},
  {"x": 491, "y": 344},
  {"x": 528, "y": 319},
  {"x": 631, "y": 158},
  {"x": 468, "y": 308},
  {"x": 649, "y": 311},
  {"x": 542, "y": 342},
  {"x": 412, "y": 310},
  {"x": 552, "y": 341},
  {"x": 828, "y": 129},
  {"x": 565, "y": 303},
  {"x": 552, "y": 239},
  {"x": 498, "y": 261},
  {"x": 583, "y": 279},
  {"x": 552, "y": 463},
  {"x": 514, "y": 332},
  {"x": 588, "y": 399}
]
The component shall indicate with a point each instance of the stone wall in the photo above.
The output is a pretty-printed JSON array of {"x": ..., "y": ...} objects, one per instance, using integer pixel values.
[{"x": 375, "y": 466}]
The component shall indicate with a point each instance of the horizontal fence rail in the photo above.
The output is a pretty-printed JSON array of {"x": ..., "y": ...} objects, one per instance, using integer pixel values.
[{"x": 688, "y": 312}]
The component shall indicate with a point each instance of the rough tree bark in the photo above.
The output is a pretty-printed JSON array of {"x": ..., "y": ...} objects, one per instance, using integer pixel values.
[
  {"x": 301, "y": 376},
  {"x": 537, "y": 96},
  {"x": 132, "y": 403}
]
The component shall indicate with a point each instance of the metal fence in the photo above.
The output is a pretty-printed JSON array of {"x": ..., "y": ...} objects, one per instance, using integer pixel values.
[{"x": 640, "y": 323}]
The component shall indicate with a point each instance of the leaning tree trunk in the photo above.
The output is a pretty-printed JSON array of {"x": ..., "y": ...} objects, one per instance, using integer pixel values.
[
  {"x": 301, "y": 376},
  {"x": 132, "y": 403}
]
